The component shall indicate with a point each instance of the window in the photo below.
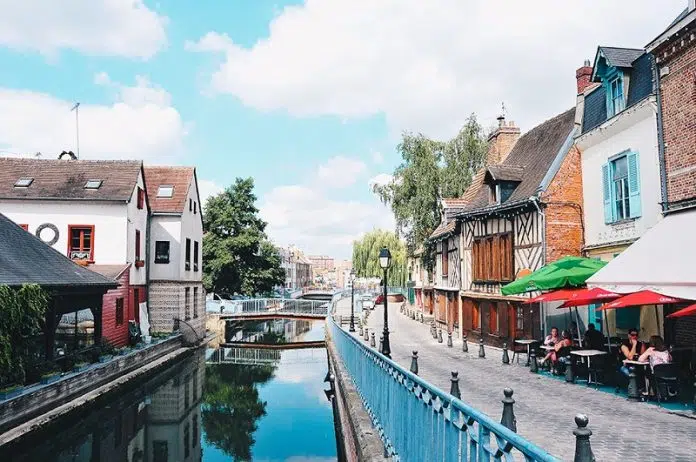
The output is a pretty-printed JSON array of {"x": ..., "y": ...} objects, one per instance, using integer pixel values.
[
  {"x": 506, "y": 189},
  {"x": 141, "y": 198},
  {"x": 160, "y": 451},
  {"x": 493, "y": 326},
  {"x": 187, "y": 448},
  {"x": 621, "y": 188},
  {"x": 445, "y": 257},
  {"x": 187, "y": 392},
  {"x": 161, "y": 251},
  {"x": 475, "y": 316},
  {"x": 24, "y": 227},
  {"x": 166, "y": 191},
  {"x": 615, "y": 94},
  {"x": 187, "y": 264},
  {"x": 493, "y": 258},
  {"x": 195, "y": 389},
  {"x": 195, "y": 255},
  {"x": 81, "y": 243},
  {"x": 93, "y": 184},
  {"x": 23, "y": 182},
  {"x": 187, "y": 303},
  {"x": 195, "y": 302},
  {"x": 195, "y": 207},
  {"x": 137, "y": 245},
  {"x": 194, "y": 423},
  {"x": 119, "y": 311},
  {"x": 520, "y": 318}
]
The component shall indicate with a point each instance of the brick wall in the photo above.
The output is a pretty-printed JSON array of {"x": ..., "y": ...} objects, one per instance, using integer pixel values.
[
  {"x": 678, "y": 91},
  {"x": 501, "y": 142},
  {"x": 167, "y": 301},
  {"x": 564, "y": 233},
  {"x": 117, "y": 334}
]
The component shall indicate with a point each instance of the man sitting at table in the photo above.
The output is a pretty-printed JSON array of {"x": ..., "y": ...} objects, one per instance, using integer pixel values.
[
  {"x": 594, "y": 339},
  {"x": 631, "y": 349}
]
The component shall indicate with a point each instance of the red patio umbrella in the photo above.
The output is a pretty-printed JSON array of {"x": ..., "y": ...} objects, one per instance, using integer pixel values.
[
  {"x": 644, "y": 297},
  {"x": 589, "y": 296},
  {"x": 555, "y": 296},
  {"x": 689, "y": 310}
]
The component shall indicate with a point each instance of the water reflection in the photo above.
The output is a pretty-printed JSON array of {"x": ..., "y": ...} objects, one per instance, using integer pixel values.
[{"x": 273, "y": 332}]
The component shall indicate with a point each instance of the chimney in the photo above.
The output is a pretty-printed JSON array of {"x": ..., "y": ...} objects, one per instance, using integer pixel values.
[
  {"x": 583, "y": 75},
  {"x": 501, "y": 141}
]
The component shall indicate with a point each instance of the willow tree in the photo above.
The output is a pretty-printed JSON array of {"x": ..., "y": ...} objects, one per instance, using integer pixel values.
[{"x": 366, "y": 256}]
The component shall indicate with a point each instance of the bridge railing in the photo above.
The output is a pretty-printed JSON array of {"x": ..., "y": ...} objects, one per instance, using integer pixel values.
[
  {"x": 418, "y": 421},
  {"x": 276, "y": 306}
]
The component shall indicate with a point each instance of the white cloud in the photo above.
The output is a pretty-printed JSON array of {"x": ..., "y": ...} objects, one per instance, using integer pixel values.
[
  {"x": 377, "y": 157},
  {"x": 340, "y": 171},
  {"x": 427, "y": 65},
  {"x": 380, "y": 180},
  {"x": 94, "y": 27},
  {"x": 140, "y": 124},
  {"x": 208, "y": 188}
]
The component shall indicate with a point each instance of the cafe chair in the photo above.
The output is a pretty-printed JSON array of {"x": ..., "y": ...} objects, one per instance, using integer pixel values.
[
  {"x": 517, "y": 350},
  {"x": 666, "y": 381}
]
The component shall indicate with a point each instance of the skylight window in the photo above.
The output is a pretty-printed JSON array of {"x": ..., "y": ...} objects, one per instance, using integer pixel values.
[
  {"x": 165, "y": 191},
  {"x": 23, "y": 182},
  {"x": 93, "y": 184}
]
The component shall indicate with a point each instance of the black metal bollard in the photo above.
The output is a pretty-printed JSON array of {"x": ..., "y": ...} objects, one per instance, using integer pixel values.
[
  {"x": 506, "y": 357},
  {"x": 569, "y": 372},
  {"x": 583, "y": 450},
  {"x": 439, "y": 336},
  {"x": 454, "y": 387},
  {"x": 433, "y": 331},
  {"x": 633, "y": 384},
  {"x": 372, "y": 340},
  {"x": 533, "y": 365},
  {"x": 465, "y": 344},
  {"x": 381, "y": 343},
  {"x": 414, "y": 362},
  {"x": 482, "y": 352},
  {"x": 361, "y": 330},
  {"x": 449, "y": 339},
  {"x": 422, "y": 318},
  {"x": 367, "y": 334},
  {"x": 509, "y": 420}
]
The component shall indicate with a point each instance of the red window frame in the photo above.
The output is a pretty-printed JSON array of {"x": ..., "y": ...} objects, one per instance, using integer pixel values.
[
  {"x": 137, "y": 245},
  {"x": 92, "y": 236},
  {"x": 141, "y": 198}
]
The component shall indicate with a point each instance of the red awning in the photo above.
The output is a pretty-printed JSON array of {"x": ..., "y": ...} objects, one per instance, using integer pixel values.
[
  {"x": 589, "y": 296},
  {"x": 644, "y": 297},
  {"x": 555, "y": 296},
  {"x": 689, "y": 310}
]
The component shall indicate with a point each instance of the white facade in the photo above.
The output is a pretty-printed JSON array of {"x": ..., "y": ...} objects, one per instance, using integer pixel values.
[
  {"x": 114, "y": 226},
  {"x": 635, "y": 130}
]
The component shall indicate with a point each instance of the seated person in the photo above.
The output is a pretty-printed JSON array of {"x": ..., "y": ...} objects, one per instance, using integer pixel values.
[
  {"x": 656, "y": 354},
  {"x": 552, "y": 338},
  {"x": 561, "y": 349},
  {"x": 631, "y": 349},
  {"x": 594, "y": 339}
]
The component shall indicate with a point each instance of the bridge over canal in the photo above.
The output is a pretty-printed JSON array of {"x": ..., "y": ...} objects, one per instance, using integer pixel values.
[{"x": 272, "y": 308}]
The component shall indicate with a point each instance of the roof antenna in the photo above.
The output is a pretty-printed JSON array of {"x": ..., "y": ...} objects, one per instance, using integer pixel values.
[
  {"x": 76, "y": 108},
  {"x": 501, "y": 117}
]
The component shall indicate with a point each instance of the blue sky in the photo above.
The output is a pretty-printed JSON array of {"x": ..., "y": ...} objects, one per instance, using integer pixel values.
[{"x": 308, "y": 98}]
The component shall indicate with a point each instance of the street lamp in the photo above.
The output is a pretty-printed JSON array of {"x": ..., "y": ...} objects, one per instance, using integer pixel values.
[
  {"x": 352, "y": 301},
  {"x": 385, "y": 263}
]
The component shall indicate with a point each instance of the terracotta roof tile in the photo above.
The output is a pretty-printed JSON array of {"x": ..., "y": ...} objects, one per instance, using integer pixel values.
[
  {"x": 178, "y": 177},
  {"x": 65, "y": 179},
  {"x": 110, "y": 271},
  {"x": 443, "y": 228}
]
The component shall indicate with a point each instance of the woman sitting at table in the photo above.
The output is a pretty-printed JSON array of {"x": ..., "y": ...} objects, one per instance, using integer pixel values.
[
  {"x": 656, "y": 354},
  {"x": 552, "y": 338},
  {"x": 560, "y": 349},
  {"x": 631, "y": 349}
]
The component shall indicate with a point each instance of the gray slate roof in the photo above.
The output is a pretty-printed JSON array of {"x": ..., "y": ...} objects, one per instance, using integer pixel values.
[
  {"x": 531, "y": 158},
  {"x": 25, "y": 259},
  {"x": 65, "y": 179},
  {"x": 620, "y": 57}
]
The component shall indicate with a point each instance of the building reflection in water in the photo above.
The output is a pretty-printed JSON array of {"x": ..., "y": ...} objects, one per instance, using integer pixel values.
[
  {"x": 157, "y": 422},
  {"x": 276, "y": 331}
]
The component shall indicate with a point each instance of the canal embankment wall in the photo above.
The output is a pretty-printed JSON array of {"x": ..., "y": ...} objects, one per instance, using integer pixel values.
[
  {"x": 361, "y": 441},
  {"x": 48, "y": 403}
]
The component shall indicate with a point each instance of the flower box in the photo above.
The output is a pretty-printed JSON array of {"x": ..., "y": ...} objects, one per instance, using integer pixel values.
[
  {"x": 82, "y": 262},
  {"x": 50, "y": 378},
  {"x": 80, "y": 367},
  {"x": 105, "y": 358},
  {"x": 11, "y": 392}
]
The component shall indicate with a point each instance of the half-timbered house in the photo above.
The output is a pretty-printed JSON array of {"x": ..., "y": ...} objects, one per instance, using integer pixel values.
[{"x": 523, "y": 212}]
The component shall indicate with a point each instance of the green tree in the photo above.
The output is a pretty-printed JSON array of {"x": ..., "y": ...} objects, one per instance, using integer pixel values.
[
  {"x": 237, "y": 255},
  {"x": 231, "y": 406},
  {"x": 21, "y": 314},
  {"x": 429, "y": 171},
  {"x": 366, "y": 256}
]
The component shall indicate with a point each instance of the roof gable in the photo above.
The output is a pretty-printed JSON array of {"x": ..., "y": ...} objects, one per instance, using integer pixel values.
[
  {"x": 25, "y": 259},
  {"x": 607, "y": 57},
  {"x": 180, "y": 178},
  {"x": 66, "y": 179}
]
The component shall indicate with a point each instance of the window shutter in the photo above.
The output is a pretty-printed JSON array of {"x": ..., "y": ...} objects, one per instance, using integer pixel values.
[
  {"x": 634, "y": 184},
  {"x": 606, "y": 187}
]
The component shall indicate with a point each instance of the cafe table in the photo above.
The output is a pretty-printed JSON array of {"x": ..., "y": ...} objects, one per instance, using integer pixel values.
[
  {"x": 589, "y": 354},
  {"x": 632, "y": 382},
  {"x": 529, "y": 344}
]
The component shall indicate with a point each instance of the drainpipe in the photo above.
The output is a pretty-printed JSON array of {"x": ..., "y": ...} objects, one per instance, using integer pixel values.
[
  {"x": 147, "y": 265},
  {"x": 535, "y": 201},
  {"x": 660, "y": 138}
]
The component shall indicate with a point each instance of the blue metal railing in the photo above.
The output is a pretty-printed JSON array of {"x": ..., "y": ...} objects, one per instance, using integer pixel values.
[{"x": 417, "y": 421}]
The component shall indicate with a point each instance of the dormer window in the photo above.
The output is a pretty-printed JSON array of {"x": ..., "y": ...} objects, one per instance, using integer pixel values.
[
  {"x": 615, "y": 95},
  {"x": 166, "y": 191},
  {"x": 23, "y": 182},
  {"x": 501, "y": 191},
  {"x": 93, "y": 184}
]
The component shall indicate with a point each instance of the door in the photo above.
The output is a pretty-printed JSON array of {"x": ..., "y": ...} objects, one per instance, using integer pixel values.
[{"x": 512, "y": 321}]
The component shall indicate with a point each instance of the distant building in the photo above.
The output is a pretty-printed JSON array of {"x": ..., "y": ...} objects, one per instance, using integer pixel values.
[
  {"x": 321, "y": 262},
  {"x": 298, "y": 269}
]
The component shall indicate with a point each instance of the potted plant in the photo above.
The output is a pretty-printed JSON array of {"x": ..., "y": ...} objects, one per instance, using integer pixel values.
[
  {"x": 50, "y": 377},
  {"x": 82, "y": 262},
  {"x": 10, "y": 391}
]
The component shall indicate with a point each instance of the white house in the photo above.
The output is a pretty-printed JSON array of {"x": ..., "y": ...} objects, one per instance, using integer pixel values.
[
  {"x": 94, "y": 212},
  {"x": 175, "y": 249},
  {"x": 620, "y": 162}
]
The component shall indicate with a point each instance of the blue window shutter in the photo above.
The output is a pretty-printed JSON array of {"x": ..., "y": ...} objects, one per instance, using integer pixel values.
[
  {"x": 606, "y": 187},
  {"x": 634, "y": 184}
]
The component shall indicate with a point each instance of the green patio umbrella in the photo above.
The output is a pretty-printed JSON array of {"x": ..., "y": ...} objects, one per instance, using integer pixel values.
[{"x": 564, "y": 273}]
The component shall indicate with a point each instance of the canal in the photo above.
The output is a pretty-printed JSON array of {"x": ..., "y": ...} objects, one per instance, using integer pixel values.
[{"x": 234, "y": 402}]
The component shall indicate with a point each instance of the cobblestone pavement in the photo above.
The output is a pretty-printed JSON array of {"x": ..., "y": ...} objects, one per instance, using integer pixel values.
[{"x": 622, "y": 430}]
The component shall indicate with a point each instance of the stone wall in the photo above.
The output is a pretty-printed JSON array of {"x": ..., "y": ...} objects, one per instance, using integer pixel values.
[
  {"x": 168, "y": 301},
  {"x": 22, "y": 408}
]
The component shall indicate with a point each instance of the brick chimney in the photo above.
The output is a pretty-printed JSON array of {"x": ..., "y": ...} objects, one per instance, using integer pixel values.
[
  {"x": 583, "y": 75},
  {"x": 501, "y": 141}
]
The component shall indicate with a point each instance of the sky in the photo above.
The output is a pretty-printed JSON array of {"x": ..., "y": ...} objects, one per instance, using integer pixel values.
[{"x": 307, "y": 97}]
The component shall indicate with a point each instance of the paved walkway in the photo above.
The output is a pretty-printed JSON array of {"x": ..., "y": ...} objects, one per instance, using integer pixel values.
[{"x": 622, "y": 430}]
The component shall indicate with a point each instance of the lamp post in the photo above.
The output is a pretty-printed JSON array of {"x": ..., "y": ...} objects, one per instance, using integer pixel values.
[
  {"x": 384, "y": 263},
  {"x": 352, "y": 301}
]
